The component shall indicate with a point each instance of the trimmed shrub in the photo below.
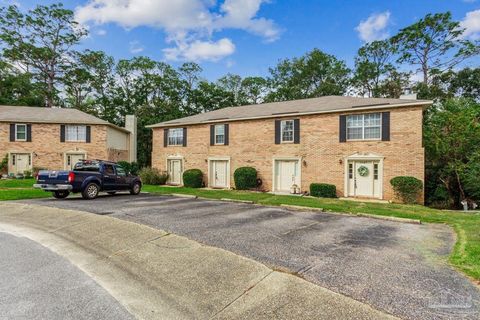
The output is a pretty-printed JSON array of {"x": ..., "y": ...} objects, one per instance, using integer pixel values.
[
  {"x": 245, "y": 178},
  {"x": 193, "y": 178},
  {"x": 407, "y": 188},
  {"x": 131, "y": 167},
  {"x": 323, "y": 190},
  {"x": 153, "y": 176},
  {"x": 27, "y": 174}
]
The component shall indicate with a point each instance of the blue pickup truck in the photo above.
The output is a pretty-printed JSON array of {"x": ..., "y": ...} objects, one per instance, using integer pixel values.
[{"x": 88, "y": 177}]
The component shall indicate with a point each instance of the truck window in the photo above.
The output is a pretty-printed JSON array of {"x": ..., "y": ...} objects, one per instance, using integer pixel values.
[
  {"x": 120, "y": 171},
  {"x": 108, "y": 169},
  {"x": 87, "y": 166}
]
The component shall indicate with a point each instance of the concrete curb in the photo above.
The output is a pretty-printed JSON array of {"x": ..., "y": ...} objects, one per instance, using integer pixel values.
[
  {"x": 301, "y": 208},
  {"x": 237, "y": 200},
  {"x": 181, "y": 195},
  {"x": 158, "y": 275},
  {"x": 388, "y": 218}
]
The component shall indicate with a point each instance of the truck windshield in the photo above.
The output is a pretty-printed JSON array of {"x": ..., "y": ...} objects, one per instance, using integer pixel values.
[{"x": 87, "y": 166}]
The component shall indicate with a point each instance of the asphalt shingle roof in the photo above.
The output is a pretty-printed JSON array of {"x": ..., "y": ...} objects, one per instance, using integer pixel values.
[
  {"x": 305, "y": 106},
  {"x": 50, "y": 115}
]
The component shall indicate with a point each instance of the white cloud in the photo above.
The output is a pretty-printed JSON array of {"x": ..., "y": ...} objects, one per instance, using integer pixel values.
[
  {"x": 198, "y": 50},
  {"x": 374, "y": 28},
  {"x": 101, "y": 32},
  {"x": 136, "y": 47},
  {"x": 190, "y": 24},
  {"x": 471, "y": 24}
]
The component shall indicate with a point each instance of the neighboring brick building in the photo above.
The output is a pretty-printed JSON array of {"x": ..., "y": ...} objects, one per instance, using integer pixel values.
[
  {"x": 358, "y": 144},
  {"x": 57, "y": 138}
]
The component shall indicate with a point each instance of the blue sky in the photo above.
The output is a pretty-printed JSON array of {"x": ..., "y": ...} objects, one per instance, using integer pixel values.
[{"x": 247, "y": 37}]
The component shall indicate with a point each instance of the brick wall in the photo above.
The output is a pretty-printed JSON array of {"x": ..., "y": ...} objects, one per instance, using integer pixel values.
[
  {"x": 252, "y": 144},
  {"x": 49, "y": 152}
]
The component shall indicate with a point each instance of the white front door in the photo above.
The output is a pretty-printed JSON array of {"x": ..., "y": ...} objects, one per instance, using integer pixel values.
[
  {"x": 363, "y": 179},
  {"x": 174, "y": 171},
  {"x": 21, "y": 162},
  {"x": 286, "y": 175},
  {"x": 219, "y": 174},
  {"x": 72, "y": 159}
]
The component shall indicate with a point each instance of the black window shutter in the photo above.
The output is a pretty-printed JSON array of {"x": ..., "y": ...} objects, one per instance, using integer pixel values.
[
  {"x": 212, "y": 135},
  {"x": 165, "y": 137},
  {"x": 29, "y": 133},
  {"x": 296, "y": 131},
  {"x": 227, "y": 133},
  {"x": 343, "y": 128},
  {"x": 277, "y": 131},
  {"x": 386, "y": 126},
  {"x": 184, "y": 137},
  {"x": 89, "y": 134},
  {"x": 62, "y": 133},
  {"x": 12, "y": 132}
]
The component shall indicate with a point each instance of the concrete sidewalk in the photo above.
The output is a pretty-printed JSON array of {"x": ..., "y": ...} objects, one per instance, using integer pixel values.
[{"x": 157, "y": 275}]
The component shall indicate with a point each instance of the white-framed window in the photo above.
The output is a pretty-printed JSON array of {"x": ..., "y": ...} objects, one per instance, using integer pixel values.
[
  {"x": 220, "y": 134},
  {"x": 20, "y": 132},
  {"x": 364, "y": 126},
  {"x": 286, "y": 130},
  {"x": 76, "y": 133},
  {"x": 175, "y": 137}
]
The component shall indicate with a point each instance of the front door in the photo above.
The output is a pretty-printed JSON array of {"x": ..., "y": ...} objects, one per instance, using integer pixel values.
[
  {"x": 364, "y": 179},
  {"x": 286, "y": 173},
  {"x": 174, "y": 171},
  {"x": 219, "y": 174},
  {"x": 21, "y": 162},
  {"x": 72, "y": 159}
]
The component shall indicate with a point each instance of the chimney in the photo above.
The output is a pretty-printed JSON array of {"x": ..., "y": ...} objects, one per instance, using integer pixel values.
[
  {"x": 408, "y": 94},
  {"x": 131, "y": 125}
]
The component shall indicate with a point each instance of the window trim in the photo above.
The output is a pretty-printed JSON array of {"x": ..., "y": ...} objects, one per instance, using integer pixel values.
[
  {"x": 168, "y": 137},
  {"x": 363, "y": 127},
  {"x": 16, "y": 131},
  {"x": 281, "y": 131},
  {"x": 215, "y": 135},
  {"x": 76, "y": 126}
]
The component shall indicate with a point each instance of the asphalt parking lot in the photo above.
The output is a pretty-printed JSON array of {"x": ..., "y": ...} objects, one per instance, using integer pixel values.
[{"x": 395, "y": 267}]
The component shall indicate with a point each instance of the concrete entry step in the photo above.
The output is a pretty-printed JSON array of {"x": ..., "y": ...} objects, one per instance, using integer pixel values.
[{"x": 157, "y": 275}]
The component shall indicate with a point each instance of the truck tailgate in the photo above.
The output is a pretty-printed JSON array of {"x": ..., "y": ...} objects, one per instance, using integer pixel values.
[{"x": 52, "y": 177}]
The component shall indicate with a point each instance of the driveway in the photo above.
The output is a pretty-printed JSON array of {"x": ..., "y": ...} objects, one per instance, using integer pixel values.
[
  {"x": 38, "y": 284},
  {"x": 395, "y": 267}
]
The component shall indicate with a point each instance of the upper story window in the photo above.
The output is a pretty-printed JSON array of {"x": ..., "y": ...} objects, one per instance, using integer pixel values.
[
  {"x": 175, "y": 137},
  {"x": 20, "y": 132},
  {"x": 286, "y": 128},
  {"x": 76, "y": 133},
  {"x": 364, "y": 126},
  {"x": 220, "y": 134}
]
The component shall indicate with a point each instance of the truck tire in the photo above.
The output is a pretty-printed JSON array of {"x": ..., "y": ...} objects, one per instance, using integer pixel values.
[
  {"x": 91, "y": 191},
  {"x": 60, "y": 194},
  {"x": 137, "y": 186}
]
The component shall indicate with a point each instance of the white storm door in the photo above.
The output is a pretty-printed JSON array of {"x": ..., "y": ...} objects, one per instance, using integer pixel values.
[
  {"x": 287, "y": 175},
  {"x": 21, "y": 162},
  {"x": 72, "y": 159},
  {"x": 219, "y": 173},
  {"x": 364, "y": 181},
  {"x": 175, "y": 171}
]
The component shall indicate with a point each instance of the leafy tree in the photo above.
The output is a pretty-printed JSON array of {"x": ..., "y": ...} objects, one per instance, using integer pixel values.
[
  {"x": 232, "y": 83},
  {"x": 313, "y": 75},
  {"x": 41, "y": 42},
  {"x": 452, "y": 137},
  {"x": 466, "y": 83},
  {"x": 210, "y": 96},
  {"x": 433, "y": 42},
  {"x": 17, "y": 88},
  {"x": 372, "y": 64},
  {"x": 254, "y": 90}
]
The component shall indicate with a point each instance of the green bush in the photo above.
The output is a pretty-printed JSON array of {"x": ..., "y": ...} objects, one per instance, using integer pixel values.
[
  {"x": 193, "y": 178},
  {"x": 323, "y": 190},
  {"x": 131, "y": 167},
  {"x": 153, "y": 176},
  {"x": 4, "y": 164},
  {"x": 245, "y": 178},
  {"x": 407, "y": 188},
  {"x": 27, "y": 174}
]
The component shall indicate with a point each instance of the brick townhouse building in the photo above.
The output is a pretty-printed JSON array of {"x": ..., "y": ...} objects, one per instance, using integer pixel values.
[
  {"x": 57, "y": 138},
  {"x": 357, "y": 144}
]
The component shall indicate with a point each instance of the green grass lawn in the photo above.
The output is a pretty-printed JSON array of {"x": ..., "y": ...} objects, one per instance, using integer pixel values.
[
  {"x": 465, "y": 256},
  {"x": 16, "y": 189}
]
